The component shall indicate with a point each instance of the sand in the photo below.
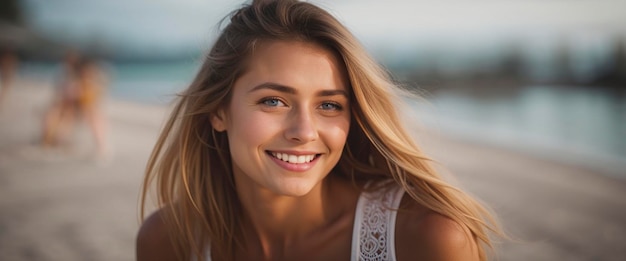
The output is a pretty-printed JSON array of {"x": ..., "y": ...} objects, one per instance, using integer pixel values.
[{"x": 67, "y": 204}]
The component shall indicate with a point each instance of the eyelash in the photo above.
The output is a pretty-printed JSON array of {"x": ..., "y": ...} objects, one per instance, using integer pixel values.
[
  {"x": 264, "y": 101},
  {"x": 337, "y": 106}
]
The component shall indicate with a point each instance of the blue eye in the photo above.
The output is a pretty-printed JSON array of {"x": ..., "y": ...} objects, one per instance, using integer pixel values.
[
  {"x": 272, "y": 102},
  {"x": 331, "y": 106}
]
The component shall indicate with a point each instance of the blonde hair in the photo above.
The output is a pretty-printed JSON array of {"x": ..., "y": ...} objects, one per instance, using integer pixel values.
[{"x": 191, "y": 161}]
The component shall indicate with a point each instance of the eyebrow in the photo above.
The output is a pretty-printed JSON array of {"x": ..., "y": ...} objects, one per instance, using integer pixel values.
[{"x": 291, "y": 90}]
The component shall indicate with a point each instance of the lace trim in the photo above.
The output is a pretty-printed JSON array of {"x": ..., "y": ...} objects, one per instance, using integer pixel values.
[{"x": 376, "y": 225}]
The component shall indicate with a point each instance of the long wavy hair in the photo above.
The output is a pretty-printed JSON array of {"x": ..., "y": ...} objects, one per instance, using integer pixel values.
[{"x": 191, "y": 165}]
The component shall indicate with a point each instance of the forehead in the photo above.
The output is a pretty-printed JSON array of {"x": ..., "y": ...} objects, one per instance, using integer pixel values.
[
  {"x": 296, "y": 64},
  {"x": 265, "y": 47}
]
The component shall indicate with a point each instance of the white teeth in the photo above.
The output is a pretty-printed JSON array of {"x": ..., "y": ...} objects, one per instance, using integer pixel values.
[{"x": 293, "y": 158}]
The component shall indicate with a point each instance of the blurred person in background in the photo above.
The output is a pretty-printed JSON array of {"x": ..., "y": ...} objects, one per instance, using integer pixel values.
[
  {"x": 60, "y": 116},
  {"x": 288, "y": 144},
  {"x": 79, "y": 93},
  {"x": 92, "y": 84}
]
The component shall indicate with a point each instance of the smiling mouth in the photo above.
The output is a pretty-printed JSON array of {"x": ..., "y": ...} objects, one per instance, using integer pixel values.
[{"x": 294, "y": 159}]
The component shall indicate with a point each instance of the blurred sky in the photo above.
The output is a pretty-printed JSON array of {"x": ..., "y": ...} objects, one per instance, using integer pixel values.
[{"x": 166, "y": 24}]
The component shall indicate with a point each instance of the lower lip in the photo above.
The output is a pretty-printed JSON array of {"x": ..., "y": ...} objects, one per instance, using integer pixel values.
[{"x": 297, "y": 167}]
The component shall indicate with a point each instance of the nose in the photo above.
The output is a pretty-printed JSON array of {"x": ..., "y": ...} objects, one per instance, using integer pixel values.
[{"x": 302, "y": 127}]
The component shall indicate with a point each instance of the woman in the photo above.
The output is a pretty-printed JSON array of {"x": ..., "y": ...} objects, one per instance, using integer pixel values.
[{"x": 287, "y": 145}]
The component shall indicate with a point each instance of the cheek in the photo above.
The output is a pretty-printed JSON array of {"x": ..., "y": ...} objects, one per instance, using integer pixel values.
[
  {"x": 251, "y": 128},
  {"x": 337, "y": 133}
]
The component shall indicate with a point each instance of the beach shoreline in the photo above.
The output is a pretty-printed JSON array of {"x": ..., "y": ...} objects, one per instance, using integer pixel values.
[{"x": 68, "y": 205}]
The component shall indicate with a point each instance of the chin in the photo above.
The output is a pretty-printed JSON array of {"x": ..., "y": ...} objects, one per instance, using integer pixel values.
[{"x": 295, "y": 188}]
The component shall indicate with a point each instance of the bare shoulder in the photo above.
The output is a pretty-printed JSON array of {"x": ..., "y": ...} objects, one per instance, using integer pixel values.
[
  {"x": 153, "y": 240},
  {"x": 422, "y": 234}
]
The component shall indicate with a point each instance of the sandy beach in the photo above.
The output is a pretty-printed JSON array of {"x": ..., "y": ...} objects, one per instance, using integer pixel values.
[{"x": 66, "y": 204}]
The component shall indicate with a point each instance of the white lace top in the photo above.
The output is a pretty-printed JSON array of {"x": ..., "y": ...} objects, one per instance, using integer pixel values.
[{"x": 373, "y": 235}]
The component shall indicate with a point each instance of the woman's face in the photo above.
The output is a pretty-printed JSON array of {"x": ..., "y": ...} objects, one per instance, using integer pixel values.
[{"x": 288, "y": 118}]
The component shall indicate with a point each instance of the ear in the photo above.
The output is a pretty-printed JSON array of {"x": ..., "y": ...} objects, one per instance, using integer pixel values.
[{"x": 218, "y": 120}]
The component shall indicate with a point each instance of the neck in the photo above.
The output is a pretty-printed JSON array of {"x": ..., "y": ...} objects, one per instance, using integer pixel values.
[{"x": 274, "y": 223}]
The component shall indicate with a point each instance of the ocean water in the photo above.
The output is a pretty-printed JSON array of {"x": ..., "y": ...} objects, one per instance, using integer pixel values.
[
  {"x": 151, "y": 83},
  {"x": 584, "y": 126}
]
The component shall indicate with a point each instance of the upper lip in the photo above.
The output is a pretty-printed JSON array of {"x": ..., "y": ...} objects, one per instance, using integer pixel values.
[{"x": 293, "y": 152}]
